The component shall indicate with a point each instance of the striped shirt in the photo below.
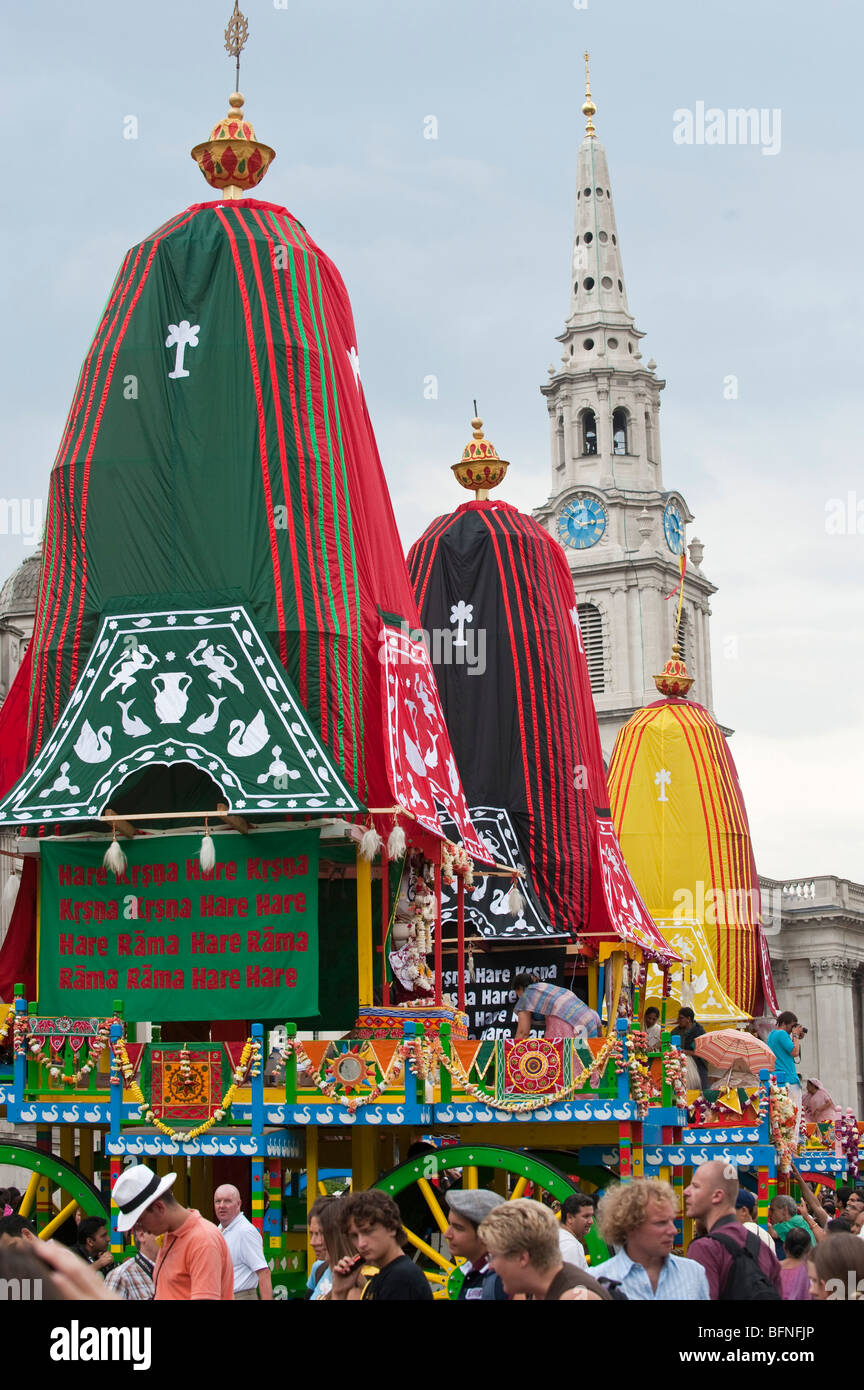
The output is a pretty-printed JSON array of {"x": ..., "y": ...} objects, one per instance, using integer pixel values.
[
  {"x": 563, "y": 1003},
  {"x": 679, "y": 1280}
]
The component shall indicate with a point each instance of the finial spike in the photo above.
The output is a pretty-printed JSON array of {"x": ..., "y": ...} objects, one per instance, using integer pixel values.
[
  {"x": 588, "y": 107},
  {"x": 235, "y": 38}
]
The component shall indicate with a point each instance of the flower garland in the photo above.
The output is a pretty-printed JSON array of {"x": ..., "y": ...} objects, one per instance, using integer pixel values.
[
  {"x": 676, "y": 1076},
  {"x": 28, "y": 1043},
  {"x": 782, "y": 1115},
  {"x": 249, "y": 1065},
  {"x": 643, "y": 1088},
  {"x": 594, "y": 1068},
  {"x": 328, "y": 1087},
  {"x": 7, "y": 1023},
  {"x": 846, "y": 1133}
]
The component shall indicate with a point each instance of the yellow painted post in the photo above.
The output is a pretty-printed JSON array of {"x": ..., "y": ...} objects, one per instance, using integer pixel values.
[
  {"x": 472, "y": 1178},
  {"x": 63, "y": 1215},
  {"x": 518, "y": 1189},
  {"x": 364, "y": 1157},
  {"x": 593, "y": 975},
  {"x": 25, "y": 1206},
  {"x": 365, "y": 985},
  {"x": 311, "y": 1183},
  {"x": 199, "y": 1195},
  {"x": 85, "y": 1151},
  {"x": 433, "y": 1204}
]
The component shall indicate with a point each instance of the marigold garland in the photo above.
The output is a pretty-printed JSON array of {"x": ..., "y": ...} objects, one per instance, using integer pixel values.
[
  {"x": 249, "y": 1065},
  {"x": 7, "y": 1023},
  {"x": 612, "y": 1048},
  {"x": 405, "y": 1051}
]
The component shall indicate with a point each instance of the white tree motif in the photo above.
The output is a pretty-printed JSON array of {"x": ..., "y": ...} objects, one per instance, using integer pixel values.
[
  {"x": 180, "y": 336},
  {"x": 354, "y": 359},
  {"x": 460, "y": 614},
  {"x": 662, "y": 780}
]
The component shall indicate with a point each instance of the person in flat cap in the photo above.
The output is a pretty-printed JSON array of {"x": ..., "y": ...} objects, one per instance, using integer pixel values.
[
  {"x": 193, "y": 1263},
  {"x": 467, "y": 1209}
]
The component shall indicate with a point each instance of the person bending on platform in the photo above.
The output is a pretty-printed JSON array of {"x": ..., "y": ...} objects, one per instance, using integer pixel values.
[
  {"x": 373, "y": 1224},
  {"x": 565, "y": 1014}
]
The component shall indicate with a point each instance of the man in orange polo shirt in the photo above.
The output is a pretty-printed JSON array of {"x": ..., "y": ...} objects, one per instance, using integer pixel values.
[{"x": 194, "y": 1263}]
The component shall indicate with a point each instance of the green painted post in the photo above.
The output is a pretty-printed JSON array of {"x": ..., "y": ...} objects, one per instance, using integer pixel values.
[
  {"x": 419, "y": 1082},
  {"x": 446, "y": 1079},
  {"x": 667, "y": 1093},
  {"x": 33, "y": 1068},
  {"x": 291, "y": 1068}
]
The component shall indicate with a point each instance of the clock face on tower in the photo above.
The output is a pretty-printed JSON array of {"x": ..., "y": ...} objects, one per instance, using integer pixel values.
[
  {"x": 673, "y": 527},
  {"x": 582, "y": 522}
]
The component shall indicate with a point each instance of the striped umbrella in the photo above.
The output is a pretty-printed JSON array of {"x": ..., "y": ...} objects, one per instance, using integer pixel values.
[{"x": 729, "y": 1047}]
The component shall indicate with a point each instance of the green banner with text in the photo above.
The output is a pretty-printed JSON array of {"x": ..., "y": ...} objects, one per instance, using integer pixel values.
[{"x": 174, "y": 942}]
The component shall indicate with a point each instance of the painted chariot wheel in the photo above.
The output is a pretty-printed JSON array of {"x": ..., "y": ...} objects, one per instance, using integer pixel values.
[{"x": 422, "y": 1174}]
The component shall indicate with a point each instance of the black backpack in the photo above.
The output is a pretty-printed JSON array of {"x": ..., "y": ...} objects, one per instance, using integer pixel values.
[{"x": 746, "y": 1282}]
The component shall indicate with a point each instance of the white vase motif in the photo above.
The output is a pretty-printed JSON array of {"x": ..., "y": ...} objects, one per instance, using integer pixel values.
[{"x": 171, "y": 698}]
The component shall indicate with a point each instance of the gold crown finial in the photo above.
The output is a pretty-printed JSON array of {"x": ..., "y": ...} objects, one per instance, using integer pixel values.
[
  {"x": 479, "y": 469},
  {"x": 674, "y": 679},
  {"x": 588, "y": 107},
  {"x": 233, "y": 160}
]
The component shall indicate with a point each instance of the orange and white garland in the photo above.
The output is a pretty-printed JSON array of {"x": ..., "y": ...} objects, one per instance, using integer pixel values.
[
  {"x": 7, "y": 1023},
  {"x": 329, "y": 1087},
  {"x": 783, "y": 1119},
  {"x": 36, "y": 1047},
  {"x": 249, "y": 1065},
  {"x": 453, "y": 1065}
]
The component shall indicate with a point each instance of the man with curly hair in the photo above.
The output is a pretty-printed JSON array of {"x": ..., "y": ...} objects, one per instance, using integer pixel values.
[
  {"x": 638, "y": 1218},
  {"x": 374, "y": 1225}
]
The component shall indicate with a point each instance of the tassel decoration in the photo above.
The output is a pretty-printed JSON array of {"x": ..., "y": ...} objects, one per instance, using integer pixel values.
[
  {"x": 207, "y": 854},
  {"x": 370, "y": 843},
  {"x": 515, "y": 901},
  {"x": 10, "y": 890},
  {"x": 115, "y": 859},
  {"x": 396, "y": 843}
]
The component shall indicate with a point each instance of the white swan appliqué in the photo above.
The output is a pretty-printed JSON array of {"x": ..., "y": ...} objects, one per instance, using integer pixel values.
[
  {"x": 91, "y": 747},
  {"x": 248, "y": 738}
]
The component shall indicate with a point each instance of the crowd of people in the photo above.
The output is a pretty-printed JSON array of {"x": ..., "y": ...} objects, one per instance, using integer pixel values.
[{"x": 505, "y": 1250}]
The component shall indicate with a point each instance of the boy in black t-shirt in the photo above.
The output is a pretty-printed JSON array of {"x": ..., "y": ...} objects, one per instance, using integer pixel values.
[{"x": 374, "y": 1225}]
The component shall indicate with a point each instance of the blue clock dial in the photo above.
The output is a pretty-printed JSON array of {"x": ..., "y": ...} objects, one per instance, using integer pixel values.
[
  {"x": 582, "y": 522},
  {"x": 673, "y": 528}
]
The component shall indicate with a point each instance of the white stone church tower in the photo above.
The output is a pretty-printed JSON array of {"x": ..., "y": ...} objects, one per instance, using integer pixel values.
[{"x": 623, "y": 531}]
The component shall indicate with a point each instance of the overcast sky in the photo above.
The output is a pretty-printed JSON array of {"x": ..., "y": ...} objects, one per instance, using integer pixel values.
[{"x": 456, "y": 255}]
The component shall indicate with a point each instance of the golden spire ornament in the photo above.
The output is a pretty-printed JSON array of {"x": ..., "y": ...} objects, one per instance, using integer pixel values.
[
  {"x": 232, "y": 160},
  {"x": 588, "y": 107},
  {"x": 479, "y": 469}
]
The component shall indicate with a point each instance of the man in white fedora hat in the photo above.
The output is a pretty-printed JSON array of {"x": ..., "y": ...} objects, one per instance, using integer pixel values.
[{"x": 193, "y": 1263}]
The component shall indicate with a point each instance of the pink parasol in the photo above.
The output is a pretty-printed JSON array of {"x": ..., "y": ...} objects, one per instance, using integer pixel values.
[{"x": 728, "y": 1047}]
